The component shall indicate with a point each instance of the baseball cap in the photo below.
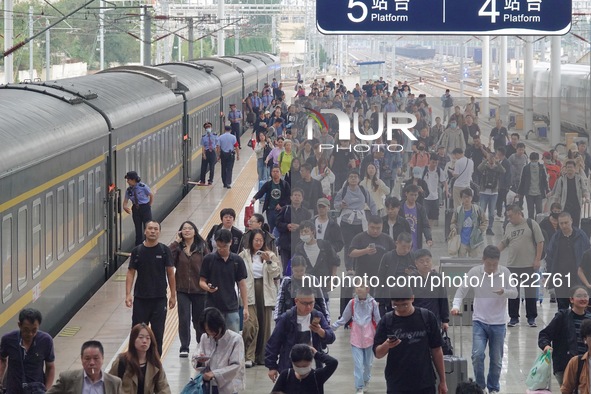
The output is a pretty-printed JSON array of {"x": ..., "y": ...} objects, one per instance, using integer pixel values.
[
  {"x": 267, "y": 112},
  {"x": 323, "y": 201},
  {"x": 132, "y": 175},
  {"x": 547, "y": 155}
]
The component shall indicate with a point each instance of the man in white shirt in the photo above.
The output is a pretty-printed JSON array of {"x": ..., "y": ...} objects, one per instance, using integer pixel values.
[
  {"x": 462, "y": 174},
  {"x": 490, "y": 315},
  {"x": 434, "y": 176}
]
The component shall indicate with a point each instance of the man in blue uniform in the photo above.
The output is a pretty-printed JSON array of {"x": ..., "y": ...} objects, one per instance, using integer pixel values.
[
  {"x": 228, "y": 151},
  {"x": 235, "y": 117},
  {"x": 141, "y": 199},
  {"x": 209, "y": 156}
]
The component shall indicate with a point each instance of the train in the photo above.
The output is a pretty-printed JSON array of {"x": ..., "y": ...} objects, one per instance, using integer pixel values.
[
  {"x": 575, "y": 96},
  {"x": 67, "y": 145}
]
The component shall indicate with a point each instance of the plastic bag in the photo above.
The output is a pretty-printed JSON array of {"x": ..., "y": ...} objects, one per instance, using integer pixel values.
[
  {"x": 195, "y": 386},
  {"x": 453, "y": 244},
  {"x": 541, "y": 372}
]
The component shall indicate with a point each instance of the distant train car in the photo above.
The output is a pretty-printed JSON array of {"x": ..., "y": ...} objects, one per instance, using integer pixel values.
[
  {"x": 421, "y": 53},
  {"x": 67, "y": 145},
  {"x": 575, "y": 96}
]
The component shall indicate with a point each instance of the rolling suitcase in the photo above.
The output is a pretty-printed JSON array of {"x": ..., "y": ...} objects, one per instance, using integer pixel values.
[{"x": 456, "y": 367}]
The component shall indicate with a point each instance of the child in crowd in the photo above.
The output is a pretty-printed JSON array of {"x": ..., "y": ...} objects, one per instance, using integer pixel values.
[
  {"x": 302, "y": 379},
  {"x": 364, "y": 311}
]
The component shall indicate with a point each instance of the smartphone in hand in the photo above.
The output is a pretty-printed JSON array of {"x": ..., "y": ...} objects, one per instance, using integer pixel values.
[{"x": 392, "y": 338}]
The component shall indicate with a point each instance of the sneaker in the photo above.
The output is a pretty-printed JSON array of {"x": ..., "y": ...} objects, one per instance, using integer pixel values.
[
  {"x": 532, "y": 322},
  {"x": 249, "y": 364},
  {"x": 183, "y": 354},
  {"x": 359, "y": 391},
  {"x": 493, "y": 392},
  {"x": 489, "y": 231},
  {"x": 499, "y": 219},
  {"x": 201, "y": 183},
  {"x": 513, "y": 322}
]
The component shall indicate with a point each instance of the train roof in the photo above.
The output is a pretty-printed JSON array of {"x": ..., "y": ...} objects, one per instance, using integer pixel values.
[
  {"x": 124, "y": 95},
  {"x": 220, "y": 68},
  {"x": 39, "y": 122},
  {"x": 192, "y": 78}
]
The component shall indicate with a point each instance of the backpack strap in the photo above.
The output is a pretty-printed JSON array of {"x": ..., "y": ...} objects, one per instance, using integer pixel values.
[
  {"x": 533, "y": 237},
  {"x": 122, "y": 366},
  {"x": 579, "y": 370},
  {"x": 425, "y": 316}
]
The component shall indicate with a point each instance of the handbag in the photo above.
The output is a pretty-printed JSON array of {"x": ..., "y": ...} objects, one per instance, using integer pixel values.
[
  {"x": 446, "y": 346},
  {"x": 248, "y": 212}
]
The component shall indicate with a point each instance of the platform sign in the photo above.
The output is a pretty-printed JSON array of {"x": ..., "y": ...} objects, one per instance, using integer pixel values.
[{"x": 495, "y": 17}]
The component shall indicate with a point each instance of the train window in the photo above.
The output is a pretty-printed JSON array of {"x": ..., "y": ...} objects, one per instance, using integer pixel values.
[
  {"x": 131, "y": 166},
  {"x": 138, "y": 153},
  {"x": 48, "y": 230},
  {"x": 6, "y": 257},
  {"x": 127, "y": 162},
  {"x": 167, "y": 149},
  {"x": 21, "y": 247},
  {"x": 90, "y": 204},
  {"x": 70, "y": 215},
  {"x": 145, "y": 160},
  {"x": 36, "y": 238},
  {"x": 153, "y": 158},
  {"x": 98, "y": 202},
  {"x": 157, "y": 154},
  {"x": 81, "y": 206},
  {"x": 61, "y": 229}
]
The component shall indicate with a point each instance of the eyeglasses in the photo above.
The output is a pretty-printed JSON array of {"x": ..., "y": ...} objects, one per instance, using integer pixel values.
[
  {"x": 319, "y": 230},
  {"x": 310, "y": 303}
]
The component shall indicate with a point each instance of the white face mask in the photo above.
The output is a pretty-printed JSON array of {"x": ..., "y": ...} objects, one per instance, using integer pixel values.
[
  {"x": 208, "y": 130},
  {"x": 302, "y": 371},
  {"x": 305, "y": 238}
]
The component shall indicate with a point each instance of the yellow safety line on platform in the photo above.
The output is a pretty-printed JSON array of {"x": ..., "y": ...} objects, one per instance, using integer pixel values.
[{"x": 235, "y": 198}]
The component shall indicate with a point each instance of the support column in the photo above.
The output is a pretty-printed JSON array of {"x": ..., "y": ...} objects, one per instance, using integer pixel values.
[
  {"x": 191, "y": 38},
  {"x": 221, "y": 35},
  {"x": 237, "y": 39},
  {"x": 147, "y": 38},
  {"x": 47, "y": 52},
  {"x": 461, "y": 68},
  {"x": 142, "y": 38},
  {"x": 8, "y": 35},
  {"x": 393, "y": 66},
  {"x": 504, "y": 108},
  {"x": 528, "y": 97},
  {"x": 555, "y": 91},
  {"x": 31, "y": 72},
  {"x": 274, "y": 33},
  {"x": 101, "y": 35},
  {"x": 485, "y": 107}
]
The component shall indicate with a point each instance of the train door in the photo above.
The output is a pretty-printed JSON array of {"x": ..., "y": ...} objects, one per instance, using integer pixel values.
[{"x": 113, "y": 204}]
